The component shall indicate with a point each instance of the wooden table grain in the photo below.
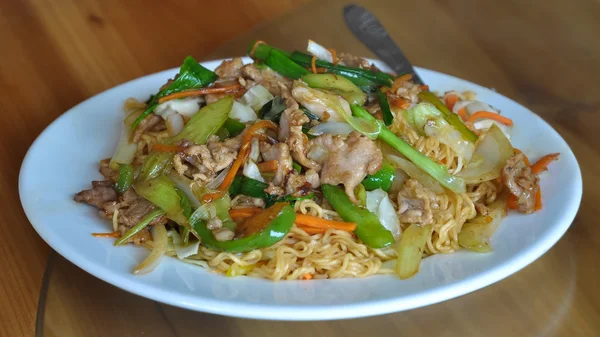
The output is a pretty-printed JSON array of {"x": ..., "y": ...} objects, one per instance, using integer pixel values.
[{"x": 543, "y": 54}]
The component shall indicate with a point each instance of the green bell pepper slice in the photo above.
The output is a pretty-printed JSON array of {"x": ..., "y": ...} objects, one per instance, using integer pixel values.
[
  {"x": 381, "y": 179},
  {"x": 368, "y": 227},
  {"x": 278, "y": 218}
]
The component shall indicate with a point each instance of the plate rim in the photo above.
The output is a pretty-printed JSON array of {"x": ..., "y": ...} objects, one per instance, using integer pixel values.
[{"x": 313, "y": 312}]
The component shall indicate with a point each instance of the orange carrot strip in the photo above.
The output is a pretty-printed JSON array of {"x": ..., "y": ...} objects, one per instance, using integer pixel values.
[
  {"x": 399, "y": 81},
  {"x": 198, "y": 92},
  {"x": 313, "y": 64},
  {"x": 511, "y": 202},
  {"x": 451, "y": 100},
  {"x": 490, "y": 115},
  {"x": 334, "y": 56},
  {"x": 115, "y": 234},
  {"x": 256, "y": 45},
  {"x": 307, "y": 276},
  {"x": 462, "y": 113},
  {"x": 268, "y": 166},
  {"x": 538, "y": 199},
  {"x": 208, "y": 197},
  {"x": 167, "y": 148},
  {"x": 424, "y": 87},
  {"x": 526, "y": 160},
  {"x": 400, "y": 102},
  {"x": 244, "y": 212},
  {"x": 542, "y": 164},
  {"x": 313, "y": 221}
]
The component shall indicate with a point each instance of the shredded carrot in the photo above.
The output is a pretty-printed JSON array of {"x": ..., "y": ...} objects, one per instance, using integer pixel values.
[
  {"x": 115, "y": 234},
  {"x": 244, "y": 151},
  {"x": 511, "y": 202},
  {"x": 334, "y": 56},
  {"x": 450, "y": 100},
  {"x": 525, "y": 160},
  {"x": 268, "y": 166},
  {"x": 399, "y": 81},
  {"x": 244, "y": 212},
  {"x": 313, "y": 221},
  {"x": 490, "y": 115},
  {"x": 542, "y": 164},
  {"x": 167, "y": 148},
  {"x": 400, "y": 102},
  {"x": 256, "y": 45},
  {"x": 198, "y": 92},
  {"x": 538, "y": 199},
  {"x": 462, "y": 113},
  {"x": 307, "y": 276},
  {"x": 424, "y": 87},
  {"x": 208, "y": 197},
  {"x": 313, "y": 64}
]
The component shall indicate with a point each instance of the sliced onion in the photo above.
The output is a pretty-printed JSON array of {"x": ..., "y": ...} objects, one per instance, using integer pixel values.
[
  {"x": 415, "y": 173},
  {"x": 242, "y": 112},
  {"x": 461, "y": 104},
  {"x": 451, "y": 137},
  {"x": 379, "y": 203},
  {"x": 126, "y": 150},
  {"x": 185, "y": 185},
  {"x": 181, "y": 250},
  {"x": 218, "y": 179},
  {"x": 251, "y": 171},
  {"x": 410, "y": 250},
  {"x": 479, "y": 106},
  {"x": 476, "y": 233},
  {"x": 485, "y": 124},
  {"x": 174, "y": 123},
  {"x": 160, "y": 239},
  {"x": 187, "y": 107},
  {"x": 319, "y": 51},
  {"x": 333, "y": 128},
  {"x": 256, "y": 97},
  {"x": 399, "y": 178},
  {"x": 492, "y": 151},
  {"x": 254, "y": 150}
]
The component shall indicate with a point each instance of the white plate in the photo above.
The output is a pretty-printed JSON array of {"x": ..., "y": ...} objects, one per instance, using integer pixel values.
[{"x": 64, "y": 159}]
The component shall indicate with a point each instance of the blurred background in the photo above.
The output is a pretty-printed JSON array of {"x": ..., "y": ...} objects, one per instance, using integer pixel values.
[{"x": 55, "y": 54}]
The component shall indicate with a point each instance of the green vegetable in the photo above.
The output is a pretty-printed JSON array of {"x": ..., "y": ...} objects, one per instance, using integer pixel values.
[
  {"x": 381, "y": 179},
  {"x": 139, "y": 226},
  {"x": 361, "y": 195},
  {"x": 279, "y": 219},
  {"x": 368, "y": 228},
  {"x": 272, "y": 109},
  {"x": 184, "y": 203},
  {"x": 282, "y": 64},
  {"x": 365, "y": 77},
  {"x": 262, "y": 50},
  {"x": 388, "y": 117},
  {"x": 438, "y": 172},
  {"x": 191, "y": 76},
  {"x": 338, "y": 84},
  {"x": 450, "y": 117},
  {"x": 197, "y": 130},
  {"x": 161, "y": 192},
  {"x": 256, "y": 189},
  {"x": 125, "y": 180},
  {"x": 410, "y": 250},
  {"x": 234, "y": 127},
  {"x": 297, "y": 167}
]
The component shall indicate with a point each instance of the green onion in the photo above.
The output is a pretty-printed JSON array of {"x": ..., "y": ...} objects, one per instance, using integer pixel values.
[
  {"x": 282, "y": 64},
  {"x": 388, "y": 117},
  {"x": 438, "y": 172},
  {"x": 449, "y": 116},
  {"x": 126, "y": 174},
  {"x": 140, "y": 225},
  {"x": 234, "y": 127}
]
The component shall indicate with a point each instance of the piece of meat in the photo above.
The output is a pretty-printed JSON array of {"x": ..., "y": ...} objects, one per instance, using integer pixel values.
[
  {"x": 274, "y": 190},
  {"x": 291, "y": 116},
  {"x": 212, "y": 98},
  {"x": 100, "y": 193},
  {"x": 202, "y": 162},
  {"x": 414, "y": 203},
  {"x": 312, "y": 177},
  {"x": 522, "y": 182},
  {"x": 314, "y": 101},
  {"x": 350, "y": 161},
  {"x": 230, "y": 68},
  {"x": 244, "y": 201},
  {"x": 281, "y": 153},
  {"x": 268, "y": 78},
  {"x": 132, "y": 209},
  {"x": 107, "y": 171},
  {"x": 296, "y": 185},
  {"x": 354, "y": 61},
  {"x": 409, "y": 91},
  {"x": 146, "y": 125}
]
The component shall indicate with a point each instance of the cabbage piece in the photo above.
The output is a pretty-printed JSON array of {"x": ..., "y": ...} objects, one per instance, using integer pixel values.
[
  {"x": 378, "y": 202},
  {"x": 187, "y": 107},
  {"x": 476, "y": 233},
  {"x": 251, "y": 171},
  {"x": 429, "y": 121},
  {"x": 183, "y": 251},
  {"x": 492, "y": 151},
  {"x": 256, "y": 97},
  {"x": 242, "y": 112},
  {"x": 410, "y": 250},
  {"x": 126, "y": 149},
  {"x": 319, "y": 51},
  {"x": 333, "y": 128}
]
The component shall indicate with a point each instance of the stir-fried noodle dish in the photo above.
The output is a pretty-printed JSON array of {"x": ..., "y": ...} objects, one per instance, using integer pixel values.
[{"x": 314, "y": 165}]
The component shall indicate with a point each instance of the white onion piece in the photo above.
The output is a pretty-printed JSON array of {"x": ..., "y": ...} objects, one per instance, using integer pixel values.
[
  {"x": 242, "y": 112},
  {"x": 254, "y": 150},
  {"x": 476, "y": 233},
  {"x": 218, "y": 179},
  {"x": 187, "y": 107},
  {"x": 333, "y": 128},
  {"x": 492, "y": 151},
  {"x": 485, "y": 124},
  {"x": 460, "y": 104},
  {"x": 160, "y": 239},
  {"x": 448, "y": 135},
  {"x": 319, "y": 51},
  {"x": 181, "y": 250},
  {"x": 174, "y": 123},
  {"x": 126, "y": 150},
  {"x": 256, "y": 97},
  {"x": 415, "y": 173},
  {"x": 378, "y": 202},
  {"x": 251, "y": 171},
  {"x": 479, "y": 106},
  {"x": 399, "y": 178}
]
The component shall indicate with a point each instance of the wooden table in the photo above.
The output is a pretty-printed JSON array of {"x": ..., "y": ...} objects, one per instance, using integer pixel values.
[{"x": 543, "y": 54}]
